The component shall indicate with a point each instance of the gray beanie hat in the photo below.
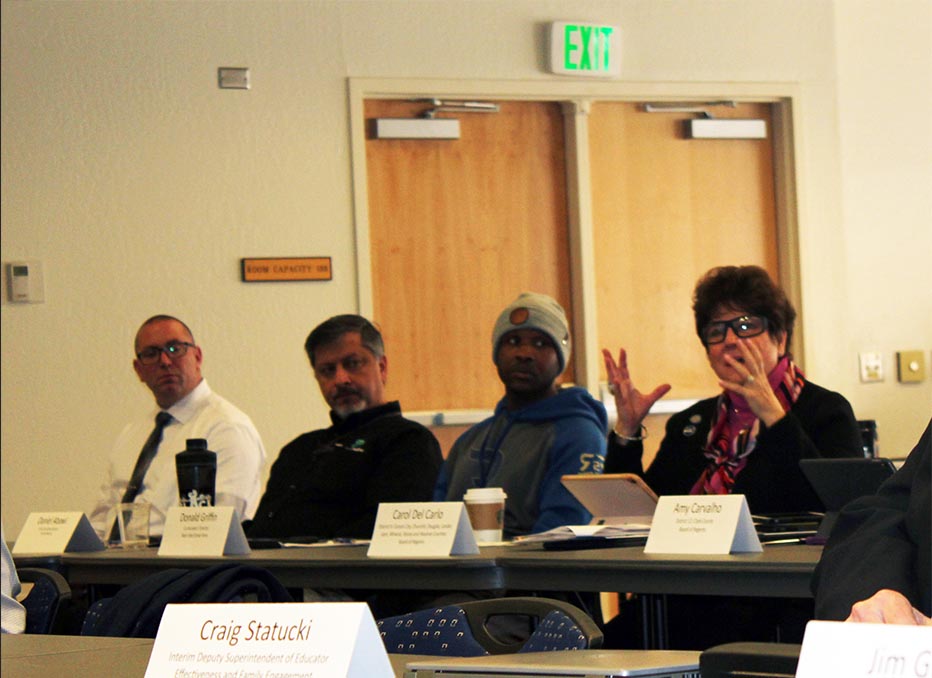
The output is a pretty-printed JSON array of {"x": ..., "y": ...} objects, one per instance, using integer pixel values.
[{"x": 533, "y": 311}]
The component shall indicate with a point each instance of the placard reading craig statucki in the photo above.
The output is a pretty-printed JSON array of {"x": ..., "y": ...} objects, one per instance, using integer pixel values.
[
  {"x": 264, "y": 640},
  {"x": 422, "y": 529}
]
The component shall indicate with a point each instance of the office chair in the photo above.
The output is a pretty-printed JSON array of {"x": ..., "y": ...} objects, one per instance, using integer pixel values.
[
  {"x": 462, "y": 630},
  {"x": 136, "y": 610},
  {"x": 49, "y": 595}
]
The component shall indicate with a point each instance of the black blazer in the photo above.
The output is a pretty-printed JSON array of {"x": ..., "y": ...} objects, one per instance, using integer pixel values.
[
  {"x": 882, "y": 541},
  {"x": 820, "y": 423}
]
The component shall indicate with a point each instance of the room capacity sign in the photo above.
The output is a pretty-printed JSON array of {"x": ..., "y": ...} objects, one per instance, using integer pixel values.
[{"x": 286, "y": 268}]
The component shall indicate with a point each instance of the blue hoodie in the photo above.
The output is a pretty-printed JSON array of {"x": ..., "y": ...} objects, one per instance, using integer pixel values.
[{"x": 525, "y": 452}]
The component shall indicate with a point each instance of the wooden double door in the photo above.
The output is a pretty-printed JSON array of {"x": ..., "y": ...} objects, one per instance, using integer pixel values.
[{"x": 458, "y": 228}]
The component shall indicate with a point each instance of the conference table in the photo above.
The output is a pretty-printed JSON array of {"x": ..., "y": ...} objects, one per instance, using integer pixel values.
[
  {"x": 41, "y": 656},
  {"x": 779, "y": 571}
]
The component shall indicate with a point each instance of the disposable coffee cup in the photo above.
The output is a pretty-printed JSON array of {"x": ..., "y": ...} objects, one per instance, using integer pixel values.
[
  {"x": 486, "y": 509},
  {"x": 196, "y": 468},
  {"x": 133, "y": 521}
]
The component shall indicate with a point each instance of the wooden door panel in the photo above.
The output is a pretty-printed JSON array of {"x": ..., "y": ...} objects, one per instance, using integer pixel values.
[
  {"x": 665, "y": 210},
  {"x": 459, "y": 228}
]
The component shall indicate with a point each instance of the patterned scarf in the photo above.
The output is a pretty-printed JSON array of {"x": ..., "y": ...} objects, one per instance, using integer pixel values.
[{"x": 734, "y": 432}]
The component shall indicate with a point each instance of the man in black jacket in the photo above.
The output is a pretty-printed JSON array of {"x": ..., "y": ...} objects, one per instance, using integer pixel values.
[
  {"x": 329, "y": 483},
  {"x": 877, "y": 565}
]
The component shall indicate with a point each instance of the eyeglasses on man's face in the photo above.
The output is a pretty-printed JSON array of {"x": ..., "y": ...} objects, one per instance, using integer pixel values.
[
  {"x": 351, "y": 364},
  {"x": 150, "y": 355},
  {"x": 744, "y": 327}
]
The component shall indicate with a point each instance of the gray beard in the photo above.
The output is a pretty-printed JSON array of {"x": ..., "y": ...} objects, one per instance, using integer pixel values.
[{"x": 344, "y": 412}]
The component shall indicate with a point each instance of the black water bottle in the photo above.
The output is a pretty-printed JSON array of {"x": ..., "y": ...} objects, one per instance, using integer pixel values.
[
  {"x": 196, "y": 467},
  {"x": 869, "y": 437}
]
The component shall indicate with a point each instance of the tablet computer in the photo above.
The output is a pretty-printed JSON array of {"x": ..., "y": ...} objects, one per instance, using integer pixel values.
[{"x": 613, "y": 498}]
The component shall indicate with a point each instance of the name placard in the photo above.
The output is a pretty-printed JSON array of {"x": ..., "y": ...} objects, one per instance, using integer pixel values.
[
  {"x": 865, "y": 651},
  {"x": 702, "y": 524},
  {"x": 323, "y": 640},
  {"x": 68, "y": 531},
  {"x": 203, "y": 531},
  {"x": 422, "y": 530}
]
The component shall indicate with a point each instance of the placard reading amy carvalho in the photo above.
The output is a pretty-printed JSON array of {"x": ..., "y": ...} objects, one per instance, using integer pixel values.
[
  {"x": 269, "y": 640},
  {"x": 702, "y": 524}
]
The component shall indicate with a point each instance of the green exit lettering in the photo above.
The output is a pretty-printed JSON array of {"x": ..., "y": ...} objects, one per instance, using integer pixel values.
[{"x": 586, "y": 48}]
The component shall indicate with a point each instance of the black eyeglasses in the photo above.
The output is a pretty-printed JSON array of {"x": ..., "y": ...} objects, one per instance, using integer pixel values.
[
  {"x": 744, "y": 327},
  {"x": 173, "y": 349}
]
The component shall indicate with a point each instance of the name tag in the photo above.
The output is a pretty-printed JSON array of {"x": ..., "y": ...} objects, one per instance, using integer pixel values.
[
  {"x": 422, "y": 530},
  {"x": 57, "y": 533},
  {"x": 702, "y": 524},
  {"x": 259, "y": 640},
  {"x": 203, "y": 531},
  {"x": 865, "y": 651}
]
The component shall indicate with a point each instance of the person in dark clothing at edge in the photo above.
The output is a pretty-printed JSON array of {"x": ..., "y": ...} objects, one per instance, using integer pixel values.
[
  {"x": 746, "y": 440},
  {"x": 328, "y": 483},
  {"x": 877, "y": 564}
]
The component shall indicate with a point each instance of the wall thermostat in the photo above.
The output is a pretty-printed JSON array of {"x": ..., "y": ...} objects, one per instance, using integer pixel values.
[{"x": 25, "y": 282}]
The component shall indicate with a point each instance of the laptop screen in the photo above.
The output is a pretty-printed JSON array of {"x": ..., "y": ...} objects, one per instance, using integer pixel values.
[{"x": 838, "y": 481}]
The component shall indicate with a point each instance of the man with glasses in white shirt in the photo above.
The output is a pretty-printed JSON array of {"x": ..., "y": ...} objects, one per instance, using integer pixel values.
[{"x": 142, "y": 464}]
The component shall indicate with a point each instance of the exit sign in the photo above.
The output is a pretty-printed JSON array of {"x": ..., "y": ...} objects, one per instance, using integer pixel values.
[{"x": 585, "y": 49}]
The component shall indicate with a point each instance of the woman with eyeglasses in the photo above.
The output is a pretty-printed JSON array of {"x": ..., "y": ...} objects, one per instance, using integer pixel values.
[{"x": 748, "y": 439}]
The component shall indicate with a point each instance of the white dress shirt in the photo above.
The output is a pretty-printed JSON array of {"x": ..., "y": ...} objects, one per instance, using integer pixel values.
[
  {"x": 200, "y": 414},
  {"x": 13, "y": 613}
]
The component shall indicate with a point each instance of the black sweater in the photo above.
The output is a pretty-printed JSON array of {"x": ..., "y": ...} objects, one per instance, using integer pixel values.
[
  {"x": 820, "y": 423},
  {"x": 882, "y": 541},
  {"x": 329, "y": 483}
]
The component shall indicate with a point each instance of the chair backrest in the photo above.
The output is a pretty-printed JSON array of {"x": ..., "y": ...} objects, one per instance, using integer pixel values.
[
  {"x": 48, "y": 596},
  {"x": 466, "y": 629},
  {"x": 136, "y": 610}
]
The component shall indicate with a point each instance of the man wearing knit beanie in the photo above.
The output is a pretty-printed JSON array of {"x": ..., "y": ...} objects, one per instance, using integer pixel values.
[
  {"x": 538, "y": 312},
  {"x": 538, "y": 433}
]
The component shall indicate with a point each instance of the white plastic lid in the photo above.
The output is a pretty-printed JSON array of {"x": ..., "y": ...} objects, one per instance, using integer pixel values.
[{"x": 485, "y": 494}]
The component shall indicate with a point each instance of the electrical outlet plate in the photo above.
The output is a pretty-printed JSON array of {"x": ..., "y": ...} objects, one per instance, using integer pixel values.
[
  {"x": 871, "y": 367},
  {"x": 910, "y": 367},
  {"x": 233, "y": 78}
]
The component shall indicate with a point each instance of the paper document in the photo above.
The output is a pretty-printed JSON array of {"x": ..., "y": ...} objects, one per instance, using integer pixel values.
[{"x": 570, "y": 531}]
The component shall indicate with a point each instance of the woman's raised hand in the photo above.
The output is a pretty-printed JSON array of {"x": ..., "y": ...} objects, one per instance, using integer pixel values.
[
  {"x": 754, "y": 386},
  {"x": 630, "y": 404}
]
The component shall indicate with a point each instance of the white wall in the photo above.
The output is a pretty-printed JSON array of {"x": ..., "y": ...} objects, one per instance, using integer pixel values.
[
  {"x": 140, "y": 185},
  {"x": 885, "y": 126}
]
